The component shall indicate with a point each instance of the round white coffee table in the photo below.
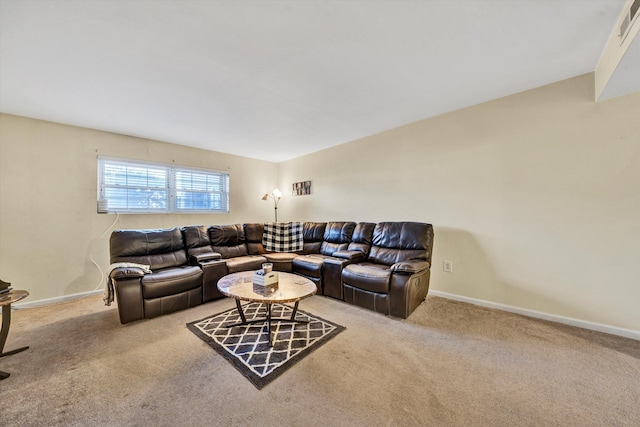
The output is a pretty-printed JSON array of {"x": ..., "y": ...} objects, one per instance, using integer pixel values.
[{"x": 290, "y": 288}]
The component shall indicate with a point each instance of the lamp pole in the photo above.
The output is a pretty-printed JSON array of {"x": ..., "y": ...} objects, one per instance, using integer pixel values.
[{"x": 275, "y": 195}]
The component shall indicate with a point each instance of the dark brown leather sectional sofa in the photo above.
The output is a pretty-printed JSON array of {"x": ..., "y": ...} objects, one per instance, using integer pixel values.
[{"x": 383, "y": 267}]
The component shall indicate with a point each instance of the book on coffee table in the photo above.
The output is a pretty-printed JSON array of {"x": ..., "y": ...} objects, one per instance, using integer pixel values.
[{"x": 5, "y": 287}]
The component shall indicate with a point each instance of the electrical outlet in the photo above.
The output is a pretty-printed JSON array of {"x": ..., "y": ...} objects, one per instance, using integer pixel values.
[{"x": 447, "y": 266}]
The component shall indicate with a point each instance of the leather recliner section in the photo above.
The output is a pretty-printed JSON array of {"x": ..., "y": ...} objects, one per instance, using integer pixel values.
[
  {"x": 145, "y": 295},
  {"x": 201, "y": 254},
  {"x": 395, "y": 278},
  {"x": 356, "y": 251},
  {"x": 336, "y": 237}
]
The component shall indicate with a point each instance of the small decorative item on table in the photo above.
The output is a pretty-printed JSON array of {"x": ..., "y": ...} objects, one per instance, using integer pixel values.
[
  {"x": 261, "y": 278},
  {"x": 265, "y": 281}
]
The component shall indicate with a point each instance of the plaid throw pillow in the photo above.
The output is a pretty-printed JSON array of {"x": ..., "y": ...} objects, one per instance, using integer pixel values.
[{"x": 283, "y": 236}]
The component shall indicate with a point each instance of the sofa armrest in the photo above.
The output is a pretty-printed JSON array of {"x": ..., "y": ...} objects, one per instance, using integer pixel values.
[
  {"x": 353, "y": 256},
  {"x": 332, "y": 275},
  {"x": 204, "y": 257},
  {"x": 126, "y": 273},
  {"x": 407, "y": 291},
  {"x": 129, "y": 297},
  {"x": 410, "y": 267},
  {"x": 212, "y": 271}
]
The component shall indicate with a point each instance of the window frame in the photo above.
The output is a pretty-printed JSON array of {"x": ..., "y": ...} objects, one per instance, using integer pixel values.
[{"x": 170, "y": 187}]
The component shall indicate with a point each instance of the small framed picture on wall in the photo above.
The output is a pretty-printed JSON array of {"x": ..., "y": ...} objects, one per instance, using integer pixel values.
[{"x": 301, "y": 188}]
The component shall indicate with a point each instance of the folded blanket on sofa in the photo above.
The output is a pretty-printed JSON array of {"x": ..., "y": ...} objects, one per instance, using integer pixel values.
[
  {"x": 109, "y": 292},
  {"x": 283, "y": 236}
]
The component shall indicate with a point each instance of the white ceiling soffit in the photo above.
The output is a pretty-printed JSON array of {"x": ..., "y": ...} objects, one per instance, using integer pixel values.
[
  {"x": 279, "y": 79},
  {"x": 626, "y": 77},
  {"x": 623, "y": 47}
]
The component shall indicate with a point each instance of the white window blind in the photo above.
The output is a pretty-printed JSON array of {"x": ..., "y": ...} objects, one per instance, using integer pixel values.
[{"x": 135, "y": 187}]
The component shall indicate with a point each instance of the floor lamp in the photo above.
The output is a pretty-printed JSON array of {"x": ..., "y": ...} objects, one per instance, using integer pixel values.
[{"x": 275, "y": 195}]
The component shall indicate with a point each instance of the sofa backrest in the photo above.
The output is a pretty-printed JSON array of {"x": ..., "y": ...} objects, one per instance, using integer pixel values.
[
  {"x": 253, "y": 238},
  {"x": 159, "y": 249},
  {"x": 362, "y": 237},
  {"x": 228, "y": 240},
  {"x": 196, "y": 240},
  {"x": 401, "y": 241},
  {"x": 337, "y": 236},
  {"x": 313, "y": 237}
]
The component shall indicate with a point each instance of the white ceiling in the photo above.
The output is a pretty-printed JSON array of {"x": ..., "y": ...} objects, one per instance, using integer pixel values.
[{"x": 279, "y": 79}]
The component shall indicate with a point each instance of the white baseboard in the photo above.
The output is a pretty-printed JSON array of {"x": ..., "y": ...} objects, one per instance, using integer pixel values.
[
  {"x": 627, "y": 333},
  {"x": 54, "y": 300}
]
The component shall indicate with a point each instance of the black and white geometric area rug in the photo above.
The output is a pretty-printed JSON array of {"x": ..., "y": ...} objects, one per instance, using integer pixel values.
[{"x": 247, "y": 346}]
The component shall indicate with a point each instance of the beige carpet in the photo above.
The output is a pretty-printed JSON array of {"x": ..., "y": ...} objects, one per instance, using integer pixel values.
[{"x": 449, "y": 364}]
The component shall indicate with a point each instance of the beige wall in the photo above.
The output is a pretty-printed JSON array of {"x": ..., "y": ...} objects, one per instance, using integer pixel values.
[
  {"x": 50, "y": 233},
  {"x": 534, "y": 197}
]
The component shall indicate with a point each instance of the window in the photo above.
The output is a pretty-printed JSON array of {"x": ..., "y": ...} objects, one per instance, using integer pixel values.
[{"x": 136, "y": 187}]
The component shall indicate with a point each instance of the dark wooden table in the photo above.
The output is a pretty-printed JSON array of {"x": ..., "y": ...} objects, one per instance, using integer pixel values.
[{"x": 13, "y": 296}]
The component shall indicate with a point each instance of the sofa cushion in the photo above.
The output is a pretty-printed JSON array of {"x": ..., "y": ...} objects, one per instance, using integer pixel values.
[
  {"x": 157, "y": 261},
  {"x": 308, "y": 265},
  {"x": 362, "y": 237},
  {"x": 226, "y": 235},
  {"x": 228, "y": 240},
  {"x": 280, "y": 256},
  {"x": 197, "y": 243},
  {"x": 253, "y": 235},
  {"x": 125, "y": 243},
  {"x": 337, "y": 236},
  {"x": 282, "y": 261},
  {"x": 339, "y": 232},
  {"x": 168, "y": 260},
  {"x": 156, "y": 248},
  {"x": 171, "y": 281},
  {"x": 245, "y": 263},
  {"x": 367, "y": 276},
  {"x": 196, "y": 236},
  {"x": 313, "y": 235},
  {"x": 400, "y": 241}
]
